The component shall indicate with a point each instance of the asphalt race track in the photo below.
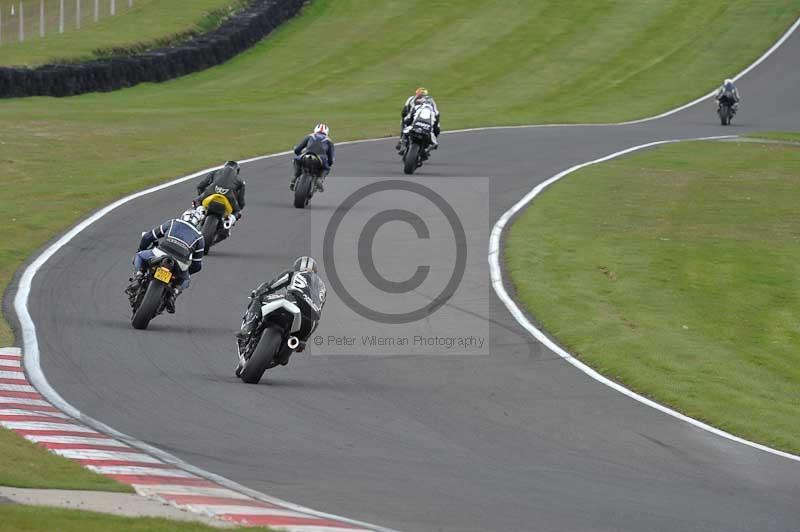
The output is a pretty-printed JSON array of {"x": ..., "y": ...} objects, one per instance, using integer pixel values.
[{"x": 517, "y": 440}]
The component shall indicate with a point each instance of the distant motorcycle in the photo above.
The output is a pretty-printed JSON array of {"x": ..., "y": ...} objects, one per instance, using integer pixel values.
[
  {"x": 726, "y": 110},
  {"x": 287, "y": 319},
  {"x": 148, "y": 296},
  {"x": 417, "y": 141},
  {"x": 311, "y": 168},
  {"x": 218, "y": 213}
]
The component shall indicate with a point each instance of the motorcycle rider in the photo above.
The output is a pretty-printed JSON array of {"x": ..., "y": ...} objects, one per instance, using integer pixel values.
[
  {"x": 728, "y": 94},
  {"x": 320, "y": 144},
  {"x": 304, "y": 267},
  {"x": 181, "y": 233},
  {"x": 410, "y": 109},
  {"x": 225, "y": 181}
]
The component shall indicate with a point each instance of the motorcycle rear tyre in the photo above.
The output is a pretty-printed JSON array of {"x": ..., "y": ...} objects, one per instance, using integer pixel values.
[
  {"x": 210, "y": 226},
  {"x": 149, "y": 305},
  {"x": 303, "y": 190},
  {"x": 410, "y": 158},
  {"x": 263, "y": 355}
]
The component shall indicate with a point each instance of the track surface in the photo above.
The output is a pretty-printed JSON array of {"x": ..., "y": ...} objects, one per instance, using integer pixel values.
[{"x": 518, "y": 440}]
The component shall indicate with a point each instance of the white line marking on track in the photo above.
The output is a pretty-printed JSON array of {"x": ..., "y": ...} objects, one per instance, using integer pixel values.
[
  {"x": 92, "y": 454},
  {"x": 22, "y": 401},
  {"x": 18, "y": 388},
  {"x": 499, "y": 288},
  {"x": 140, "y": 470},
  {"x": 76, "y": 440},
  {"x": 221, "y": 509},
  {"x": 163, "y": 490},
  {"x": 18, "y": 412}
]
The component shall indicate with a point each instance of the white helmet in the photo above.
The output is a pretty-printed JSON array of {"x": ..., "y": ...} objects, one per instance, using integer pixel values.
[
  {"x": 321, "y": 128},
  {"x": 192, "y": 216}
]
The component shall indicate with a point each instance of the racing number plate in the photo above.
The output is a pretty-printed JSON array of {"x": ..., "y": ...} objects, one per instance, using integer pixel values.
[{"x": 163, "y": 274}]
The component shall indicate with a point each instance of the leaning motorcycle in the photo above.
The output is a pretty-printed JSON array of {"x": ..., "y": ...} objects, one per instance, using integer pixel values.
[
  {"x": 418, "y": 140},
  {"x": 726, "y": 112},
  {"x": 217, "y": 211},
  {"x": 286, "y": 320},
  {"x": 311, "y": 168},
  {"x": 148, "y": 298}
]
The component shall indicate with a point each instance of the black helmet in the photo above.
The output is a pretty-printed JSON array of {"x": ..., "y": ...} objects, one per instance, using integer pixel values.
[
  {"x": 232, "y": 164},
  {"x": 305, "y": 264}
]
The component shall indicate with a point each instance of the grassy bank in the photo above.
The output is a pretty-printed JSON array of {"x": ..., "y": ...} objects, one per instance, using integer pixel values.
[
  {"x": 675, "y": 272},
  {"x": 42, "y": 519},
  {"x": 148, "y": 23},
  {"x": 26, "y": 465},
  {"x": 487, "y": 63}
]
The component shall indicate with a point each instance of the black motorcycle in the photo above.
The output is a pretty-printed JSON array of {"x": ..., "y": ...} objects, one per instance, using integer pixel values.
[
  {"x": 288, "y": 318},
  {"x": 726, "y": 111},
  {"x": 311, "y": 168},
  {"x": 417, "y": 145},
  {"x": 148, "y": 296}
]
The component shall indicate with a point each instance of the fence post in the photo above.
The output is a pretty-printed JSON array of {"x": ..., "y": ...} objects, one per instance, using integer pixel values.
[
  {"x": 113, "y": 8},
  {"x": 130, "y": 3},
  {"x": 61, "y": 16},
  {"x": 21, "y": 23},
  {"x": 96, "y": 10},
  {"x": 78, "y": 14},
  {"x": 41, "y": 18},
  {"x": 1, "y": 26}
]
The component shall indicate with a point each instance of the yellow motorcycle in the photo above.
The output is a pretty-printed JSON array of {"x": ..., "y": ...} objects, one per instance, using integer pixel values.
[{"x": 217, "y": 210}]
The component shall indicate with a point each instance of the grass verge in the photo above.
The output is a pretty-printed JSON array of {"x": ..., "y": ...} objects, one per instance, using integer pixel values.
[
  {"x": 150, "y": 23},
  {"x": 783, "y": 136},
  {"x": 487, "y": 64},
  {"x": 40, "y": 518},
  {"x": 675, "y": 272},
  {"x": 26, "y": 465}
]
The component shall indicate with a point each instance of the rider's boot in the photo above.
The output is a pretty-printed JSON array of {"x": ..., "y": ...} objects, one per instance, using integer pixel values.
[
  {"x": 296, "y": 176},
  {"x": 172, "y": 295}
]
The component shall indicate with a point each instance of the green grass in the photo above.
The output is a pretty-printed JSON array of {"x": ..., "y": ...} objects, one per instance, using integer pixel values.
[
  {"x": 26, "y": 465},
  {"x": 783, "y": 136},
  {"x": 40, "y": 518},
  {"x": 486, "y": 63},
  {"x": 675, "y": 272},
  {"x": 149, "y": 23}
]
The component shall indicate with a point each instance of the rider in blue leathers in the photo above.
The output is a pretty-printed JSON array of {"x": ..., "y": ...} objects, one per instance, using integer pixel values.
[
  {"x": 320, "y": 144},
  {"x": 181, "y": 233},
  {"x": 729, "y": 94}
]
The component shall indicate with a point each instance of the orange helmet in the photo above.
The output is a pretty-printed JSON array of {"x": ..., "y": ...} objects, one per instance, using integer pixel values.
[{"x": 420, "y": 92}]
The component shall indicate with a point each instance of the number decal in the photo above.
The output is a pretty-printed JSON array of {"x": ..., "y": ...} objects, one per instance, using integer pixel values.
[{"x": 299, "y": 282}]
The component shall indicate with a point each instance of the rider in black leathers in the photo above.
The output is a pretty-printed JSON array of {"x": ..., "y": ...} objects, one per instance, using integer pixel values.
[
  {"x": 321, "y": 145},
  {"x": 225, "y": 181},
  {"x": 306, "y": 266}
]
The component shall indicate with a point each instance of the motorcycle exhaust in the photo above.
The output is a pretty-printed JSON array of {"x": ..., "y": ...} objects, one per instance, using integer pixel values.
[{"x": 293, "y": 342}]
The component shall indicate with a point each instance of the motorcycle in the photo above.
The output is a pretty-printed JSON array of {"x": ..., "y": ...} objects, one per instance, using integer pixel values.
[
  {"x": 287, "y": 319},
  {"x": 217, "y": 211},
  {"x": 148, "y": 297},
  {"x": 418, "y": 141},
  {"x": 311, "y": 169},
  {"x": 726, "y": 112}
]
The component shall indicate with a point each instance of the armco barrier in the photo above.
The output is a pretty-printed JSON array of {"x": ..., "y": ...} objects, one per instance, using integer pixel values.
[{"x": 234, "y": 36}]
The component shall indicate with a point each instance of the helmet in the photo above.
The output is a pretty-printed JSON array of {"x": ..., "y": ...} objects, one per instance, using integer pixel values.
[
  {"x": 728, "y": 82},
  {"x": 420, "y": 92},
  {"x": 305, "y": 264},
  {"x": 232, "y": 164},
  {"x": 193, "y": 216},
  {"x": 321, "y": 128}
]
